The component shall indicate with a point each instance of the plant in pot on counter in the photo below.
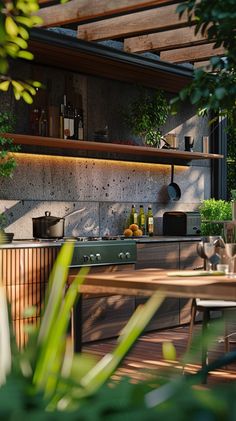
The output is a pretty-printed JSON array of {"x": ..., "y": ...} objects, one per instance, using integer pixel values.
[
  {"x": 7, "y": 163},
  {"x": 146, "y": 115},
  {"x": 214, "y": 210}
]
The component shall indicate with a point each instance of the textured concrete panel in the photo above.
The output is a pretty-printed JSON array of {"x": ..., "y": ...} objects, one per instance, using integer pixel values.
[{"x": 81, "y": 219}]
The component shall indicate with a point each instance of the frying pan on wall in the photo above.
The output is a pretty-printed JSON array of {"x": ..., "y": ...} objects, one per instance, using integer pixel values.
[{"x": 173, "y": 189}]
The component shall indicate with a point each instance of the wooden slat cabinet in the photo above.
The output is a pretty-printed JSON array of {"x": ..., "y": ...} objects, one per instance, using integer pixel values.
[{"x": 24, "y": 273}]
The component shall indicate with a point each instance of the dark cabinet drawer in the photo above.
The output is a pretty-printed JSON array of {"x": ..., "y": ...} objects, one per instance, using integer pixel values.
[
  {"x": 104, "y": 317},
  {"x": 158, "y": 255}
]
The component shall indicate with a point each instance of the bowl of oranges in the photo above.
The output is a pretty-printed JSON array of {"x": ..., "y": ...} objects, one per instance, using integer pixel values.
[{"x": 133, "y": 231}]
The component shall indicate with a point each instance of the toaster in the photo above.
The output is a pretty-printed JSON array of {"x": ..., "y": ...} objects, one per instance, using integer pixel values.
[{"x": 181, "y": 223}]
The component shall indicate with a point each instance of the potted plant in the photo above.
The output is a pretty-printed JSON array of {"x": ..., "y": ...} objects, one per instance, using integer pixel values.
[
  {"x": 7, "y": 164},
  {"x": 214, "y": 210},
  {"x": 146, "y": 115}
]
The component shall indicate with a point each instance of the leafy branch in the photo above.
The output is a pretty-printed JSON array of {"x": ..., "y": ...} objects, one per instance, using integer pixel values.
[{"x": 16, "y": 19}]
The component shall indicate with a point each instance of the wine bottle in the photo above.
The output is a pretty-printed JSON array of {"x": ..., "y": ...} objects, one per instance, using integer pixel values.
[
  {"x": 150, "y": 222},
  {"x": 34, "y": 121},
  {"x": 66, "y": 120},
  {"x": 70, "y": 111},
  {"x": 142, "y": 219},
  {"x": 61, "y": 122},
  {"x": 133, "y": 216},
  {"x": 81, "y": 126},
  {"x": 43, "y": 123}
]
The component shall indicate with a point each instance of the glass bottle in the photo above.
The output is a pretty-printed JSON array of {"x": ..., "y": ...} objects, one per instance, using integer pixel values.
[
  {"x": 133, "y": 215},
  {"x": 142, "y": 219},
  {"x": 150, "y": 222},
  {"x": 61, "y": 122},
  {"x": 81, "y": 126},
  {"x": 34, "y": 121},
  {"x": 43, "y": 123}
]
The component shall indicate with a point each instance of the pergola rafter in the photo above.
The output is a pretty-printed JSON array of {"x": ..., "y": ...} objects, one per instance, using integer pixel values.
[{"x": 143, "y": 26}]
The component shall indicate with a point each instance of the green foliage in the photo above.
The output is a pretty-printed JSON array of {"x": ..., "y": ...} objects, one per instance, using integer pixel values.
[
  {"x": 45, "y": 381},
  {"x": 214, "y": 210},
  {"x": 16, "y": 19},
  {"x": 214, "y": 89},
  {"x": 46, "y": 377},
  {"x": 7, "y": 160},
  {"x": 145, "y": 116},
  {"x": 231, "y": 159}
]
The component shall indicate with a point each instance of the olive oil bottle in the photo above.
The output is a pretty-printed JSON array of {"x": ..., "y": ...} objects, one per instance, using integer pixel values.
[
  {"x": 150, "y": 222},
  {"x": 142, "y": 219},
  {"x": 133, "y": 216}
]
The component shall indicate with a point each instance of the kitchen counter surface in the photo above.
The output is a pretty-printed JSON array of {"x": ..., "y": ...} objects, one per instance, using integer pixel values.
[
  {"x": 31, "y": 243},
  {"x": 28, "y": 243},
  {"x": 167, "y": 239},
  {"x": 57, "y": 243}
]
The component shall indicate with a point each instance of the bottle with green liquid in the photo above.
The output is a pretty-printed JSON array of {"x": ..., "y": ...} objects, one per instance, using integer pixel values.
[
  {"x": 142, "y": 219},
  {"x": 133, "y": 216}
]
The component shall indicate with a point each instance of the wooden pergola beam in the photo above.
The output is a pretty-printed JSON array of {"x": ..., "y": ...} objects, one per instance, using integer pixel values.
[
  {"x": 151, "y": 20},
  {"x": 191, "y": 54},
  {"x": 83, "y": 10},
  {"x": 164, "y": 40}
]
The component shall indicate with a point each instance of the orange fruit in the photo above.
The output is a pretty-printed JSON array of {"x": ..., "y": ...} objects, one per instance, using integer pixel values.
[
  {"x": 128, "y": 232},
  {"x": 138, "y": 233},
  {"x": 134, "y": 227}
]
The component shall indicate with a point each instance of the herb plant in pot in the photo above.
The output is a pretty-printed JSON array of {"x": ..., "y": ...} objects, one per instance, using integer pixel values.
[
  {"x": 7, "y": 164},
  {"x": 146, "y": 115}
]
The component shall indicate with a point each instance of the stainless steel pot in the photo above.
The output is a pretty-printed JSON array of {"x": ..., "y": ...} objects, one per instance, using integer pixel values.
[{"x": 48, "y": 226}]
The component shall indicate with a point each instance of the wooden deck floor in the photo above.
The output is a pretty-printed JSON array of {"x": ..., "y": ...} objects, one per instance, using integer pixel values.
[{"x": 146, "y": 356}]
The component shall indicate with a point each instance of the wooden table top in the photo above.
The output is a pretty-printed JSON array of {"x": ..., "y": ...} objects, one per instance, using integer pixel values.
[{"x": 145, "y": 281}]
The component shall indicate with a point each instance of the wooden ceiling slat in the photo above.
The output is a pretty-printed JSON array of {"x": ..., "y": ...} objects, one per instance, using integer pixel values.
[
  {"x": 195, "y": 53},
  {"x": 159, "y": 18},
  {"x": 82, "y": 10},
  {"x": 165, "y": 40},
  {"x": 203, "y": 64}
]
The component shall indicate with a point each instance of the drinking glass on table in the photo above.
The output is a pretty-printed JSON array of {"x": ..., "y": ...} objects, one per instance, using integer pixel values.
[
  {"x": 230, "y": 249},
  {"x": 209, "y": 251}
]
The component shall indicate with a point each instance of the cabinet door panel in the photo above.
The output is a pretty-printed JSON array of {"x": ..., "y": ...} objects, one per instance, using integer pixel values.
[
  {"x": 104, "y": 317},
  {"x": 166, "y": 316},
  {"x": 189, "y": 258},
  {"x": 159, "y": 255}
]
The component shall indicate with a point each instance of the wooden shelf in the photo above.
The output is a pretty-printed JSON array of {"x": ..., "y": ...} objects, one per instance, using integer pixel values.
[{"x": 55, "y": 146}]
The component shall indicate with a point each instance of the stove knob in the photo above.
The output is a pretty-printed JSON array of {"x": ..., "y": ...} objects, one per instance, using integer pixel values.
[
  {"x": 127, "y": 255},
  {"x": 121, "y": 256},
  {"x": 86, "y": 258},
  {"x": 92, "y": 257},
  {"x": 98, "y": 257}
]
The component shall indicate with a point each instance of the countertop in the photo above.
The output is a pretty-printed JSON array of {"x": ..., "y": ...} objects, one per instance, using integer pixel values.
[
  {"x": 32, "y": 243},
  {"x": 166, "y": 239}
]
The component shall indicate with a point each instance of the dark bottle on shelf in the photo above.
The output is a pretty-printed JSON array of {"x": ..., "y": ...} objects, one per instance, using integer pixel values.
[
  {"x": 70, "y": 112},
  {"x": 149, "y": 222},
  {"x": 34, "y": 121},
  {"x": 133, "y": 216},
  {"x": 43, "y": 123},
  {"x": 81, "y": 126},
  {"x": 61, "y": 122},
  {"x": 66, "y": 120},
  {"x": 142, "y": 219}
]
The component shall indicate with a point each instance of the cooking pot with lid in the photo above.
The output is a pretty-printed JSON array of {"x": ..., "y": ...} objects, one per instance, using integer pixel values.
[{"x": 48, "y": 226}]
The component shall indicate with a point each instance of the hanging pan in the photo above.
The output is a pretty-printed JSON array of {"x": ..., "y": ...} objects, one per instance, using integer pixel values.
[{"x": 173, "y": 189}]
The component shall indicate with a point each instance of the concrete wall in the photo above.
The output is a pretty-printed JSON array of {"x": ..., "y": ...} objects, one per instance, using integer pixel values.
[{"x": 96, "y": 194}]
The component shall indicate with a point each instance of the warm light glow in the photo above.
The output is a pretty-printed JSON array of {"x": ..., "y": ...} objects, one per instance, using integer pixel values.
[{"x": 32, "y": 157}]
